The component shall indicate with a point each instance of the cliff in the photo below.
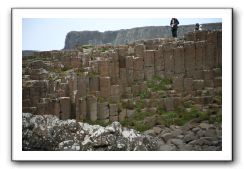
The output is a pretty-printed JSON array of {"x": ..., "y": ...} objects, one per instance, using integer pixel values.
[{"x": 75, "y": 38}]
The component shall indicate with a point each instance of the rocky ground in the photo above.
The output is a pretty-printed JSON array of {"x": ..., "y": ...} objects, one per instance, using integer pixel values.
[
  {"x": 194, "y": 136},
  {"x": 47, "y": 132}
]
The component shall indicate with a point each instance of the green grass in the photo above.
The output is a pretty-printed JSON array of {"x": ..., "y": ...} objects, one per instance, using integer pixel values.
[
  {"x": 136, "y": 121},
  {"x": 160, "y": 110},
  {"x": 102, "y": 49},
  {"x": 203, "y": 116},
  {"x": 139, "y": 105},
  {"x": 143, "y": 120},
  {"x": 101, "y": 99},
  {"x": 188, "y": 104},
  {"x": 128, "y": 104},
  {"x": 79, "y": 70},
  {"x": 218, "y": 99},
  {"x": 216, "y": 119},
  {"x": 140, "y": 126},
  {"x": 125, "y": 122},
  {"x": 144, "y": 94},
  {"x": 158, "y": 83},
  {"x": 93, "y": 74},
  {"x": 181, "y": 116},
  {"x": 141, "y": 115},
  {"x": 169, "y": 118},
  {"x": 87, "y": 46},
  {"x": 65, "y": 68}
]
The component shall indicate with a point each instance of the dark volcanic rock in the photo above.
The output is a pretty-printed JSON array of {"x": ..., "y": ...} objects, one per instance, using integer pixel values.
[{"x": 178, "y": 138}]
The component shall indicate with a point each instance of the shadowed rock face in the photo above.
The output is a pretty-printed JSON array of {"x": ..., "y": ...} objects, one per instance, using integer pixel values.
[
  {"x": 49, "y": 133},
  {"x": 75, "y": 38}
]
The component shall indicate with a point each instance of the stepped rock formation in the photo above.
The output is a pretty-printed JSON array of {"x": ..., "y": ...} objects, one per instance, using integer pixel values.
[
  {"x": 147, "y": 84},
  {"x": 125, "y": 36}
]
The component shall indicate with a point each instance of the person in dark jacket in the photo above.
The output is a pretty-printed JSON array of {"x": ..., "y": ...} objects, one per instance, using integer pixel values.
[
  {"x": 197, "y": 26},
  {"x": 174, "y": 26}
]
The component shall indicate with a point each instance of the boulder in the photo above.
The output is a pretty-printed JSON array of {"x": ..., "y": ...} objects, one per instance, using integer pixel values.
[
  {"x": 157, "y": 130},
  {"x": 48, "y": 133},
  {"x": 166, "y": 136}
]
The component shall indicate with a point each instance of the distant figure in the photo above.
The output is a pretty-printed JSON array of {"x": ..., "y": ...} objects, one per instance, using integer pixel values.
[
  {"x": 197, "y": 26},
  {"x": 174, "y": 26}
]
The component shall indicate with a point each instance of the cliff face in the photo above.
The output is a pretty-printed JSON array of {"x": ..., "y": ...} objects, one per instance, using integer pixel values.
[
  {"x": 26, "y": 53},
  {"x": 75, "y": 38}
]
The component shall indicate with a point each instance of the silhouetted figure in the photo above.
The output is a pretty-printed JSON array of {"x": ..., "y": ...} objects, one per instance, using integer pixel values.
[
  {"x": 197, "y": 26},
  {"x": 174, "y": 26}
]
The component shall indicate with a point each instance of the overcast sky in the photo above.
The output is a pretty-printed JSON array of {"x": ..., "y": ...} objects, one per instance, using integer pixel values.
[{"x": 49, "y": 34}]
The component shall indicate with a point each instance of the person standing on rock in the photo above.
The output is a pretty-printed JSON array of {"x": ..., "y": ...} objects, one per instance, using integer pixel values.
[
  {"x": 174, "y": 26},
  {"x": 197, "y": 27}
]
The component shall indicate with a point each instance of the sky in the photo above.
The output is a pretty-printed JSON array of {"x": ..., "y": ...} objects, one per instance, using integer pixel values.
[{"x": 45, "y": 34}]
